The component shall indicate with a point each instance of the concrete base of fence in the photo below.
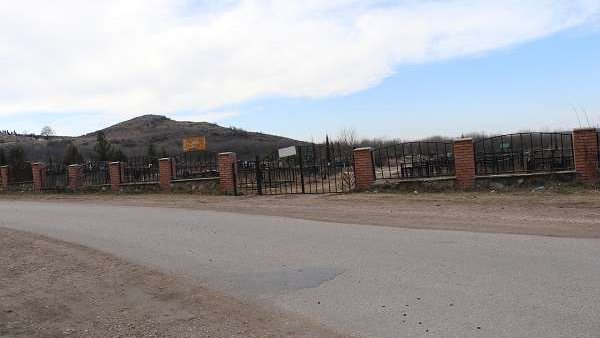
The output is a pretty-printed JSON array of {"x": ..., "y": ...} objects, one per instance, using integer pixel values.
[
  {"x": 139, "y": 188},
  {"x": 419, "y": 185},
  {"x": 526, "y": 181},
  {"x": 505, "y": 182},
  {"x": 202, "y": 186}
]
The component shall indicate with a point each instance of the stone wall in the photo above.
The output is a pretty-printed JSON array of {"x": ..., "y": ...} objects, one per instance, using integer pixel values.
[
  {"x": 203, "y": 186},
  {"x": 139, "y": 188}
]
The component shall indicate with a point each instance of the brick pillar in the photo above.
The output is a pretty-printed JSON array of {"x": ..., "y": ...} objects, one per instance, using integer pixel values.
[
  {"x": 115, "y": 176},
  {"x": 227, "y": 173},
  {"x": 38, "y": 171},
  {"x": 165, "y": 168},
  {"x": 585, "y": 147},
  {"x": 464, "y": 163},
  {"x": 363, "y": 168},
  {"x": 74, "y": 172},
  {"x": 5, "y": 175}
]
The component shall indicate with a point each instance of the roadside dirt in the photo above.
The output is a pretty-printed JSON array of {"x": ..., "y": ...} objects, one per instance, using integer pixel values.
[
  {"x": 53, "y": 289},
  {"x": 566, "y": 214}
]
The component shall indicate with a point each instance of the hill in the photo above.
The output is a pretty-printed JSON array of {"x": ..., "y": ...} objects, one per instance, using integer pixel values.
[{"x": 134, "y": 136}]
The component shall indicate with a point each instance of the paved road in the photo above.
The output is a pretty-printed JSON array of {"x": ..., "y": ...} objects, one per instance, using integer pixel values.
[{"x": 368, "y": 281}]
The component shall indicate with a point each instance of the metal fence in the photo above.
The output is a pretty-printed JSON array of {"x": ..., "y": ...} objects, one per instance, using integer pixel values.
[
  {"x": 196, "y": 164},
  {"x": 524, "y": 153},
  {"x": 21, "y": 173},
  {"x": 57, "y": 177},
  {"x": 141, "y": 170},
  {"x": 598, "y": 142},
  {"x": 414, "y": 160},
  {"x": 95, "y": 174},
  {"x": 314, "y": 169}
]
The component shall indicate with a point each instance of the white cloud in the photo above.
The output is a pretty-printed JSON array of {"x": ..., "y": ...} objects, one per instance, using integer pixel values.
[{"x": 166, "y": 56}]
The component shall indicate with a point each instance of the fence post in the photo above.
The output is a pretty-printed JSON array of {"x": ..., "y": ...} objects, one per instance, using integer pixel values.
[
  {"x": 364, "y": 168},
  {"x": 38, "y": 172},
  {"x": 115, "y": 176},
  {"x": 464, "y": 163},
  {"x": 227, "y": 172},
  {"x": 5, "y": 175},
  {"x": 74, "y": 174},
  {"x": 258, "y": 175},
  {"x": 301, "y": 163},
  {"x": 585, "y": 148},
  {"x": 165, "y": 168}
]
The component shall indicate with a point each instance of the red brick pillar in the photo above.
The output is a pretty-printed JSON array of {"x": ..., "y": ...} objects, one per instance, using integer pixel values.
[
  {"x": 5, "y": 176},
  {"x": 364, "y": 171},
  {"x": 227, "y": 173},
  {"x": 464, "y": 163},
  {"x": 115, "y": 176},
  {"x": 165, "y": 168},
  {"x": 74, "y": 172},
  {"x": 38, "y": 171},
  {"x": 585, "y": 147}
]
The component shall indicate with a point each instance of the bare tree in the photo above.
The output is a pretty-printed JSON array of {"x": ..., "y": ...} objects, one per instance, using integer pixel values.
[
  {"x": 47, "y": 131},
  {"x": 348, "y": 137}
]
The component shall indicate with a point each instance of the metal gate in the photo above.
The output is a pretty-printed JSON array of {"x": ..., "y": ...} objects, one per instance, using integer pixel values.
[{"x": 313, "y": 169}]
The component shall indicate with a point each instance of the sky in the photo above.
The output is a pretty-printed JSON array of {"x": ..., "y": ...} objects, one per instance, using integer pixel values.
[{"x": 404, "y": 69}]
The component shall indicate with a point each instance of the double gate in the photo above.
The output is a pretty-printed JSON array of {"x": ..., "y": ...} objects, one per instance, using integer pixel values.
[{"x": 313, "y": 169}]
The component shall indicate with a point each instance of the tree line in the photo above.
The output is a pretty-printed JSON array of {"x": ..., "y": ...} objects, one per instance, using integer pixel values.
[{"x": 104, "y": 151}]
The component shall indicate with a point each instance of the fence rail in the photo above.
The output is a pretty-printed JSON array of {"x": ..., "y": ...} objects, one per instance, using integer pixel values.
[
  {"x": 195, "y": 164},
  {"x": 95, "y": 174},
  {"x": 414, "y": 160},
  {"x": 141, "y": 170},
  {"x": 524, "y": 152},
  {"x": 598, "y": 142}
]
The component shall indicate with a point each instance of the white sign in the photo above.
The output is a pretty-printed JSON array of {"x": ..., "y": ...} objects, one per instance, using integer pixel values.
[{"x": 287, "y": 152}]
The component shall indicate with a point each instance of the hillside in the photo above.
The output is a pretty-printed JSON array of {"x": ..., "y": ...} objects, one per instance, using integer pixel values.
[{"x": 134, "y": 136}]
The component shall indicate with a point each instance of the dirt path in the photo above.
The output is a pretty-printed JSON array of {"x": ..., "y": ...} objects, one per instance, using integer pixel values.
[
  {"x": 574, "y": 214},
  {"x": 53, "y": 289}
]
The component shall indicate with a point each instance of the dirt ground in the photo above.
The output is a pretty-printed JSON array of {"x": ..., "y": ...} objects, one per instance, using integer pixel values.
[
  {"x": 53, "y": 289},
  {"x": 572, "y": 213}
]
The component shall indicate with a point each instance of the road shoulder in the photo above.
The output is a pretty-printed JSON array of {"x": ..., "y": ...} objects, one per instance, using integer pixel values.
[{"x": 50, "y": 288}]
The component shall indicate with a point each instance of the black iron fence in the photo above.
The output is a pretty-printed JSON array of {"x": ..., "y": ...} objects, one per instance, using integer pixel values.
[
  {"x": 95, "y": 174},
  {"x": 598, "y": 142},
  {"x": 414, "y": 160},
  {"x": 141, "y": 170},
  {"x": 247, "y": 177},
  {"x": 21, "y": 173},
  {"x": 313, "y": 169},
  {"x": 196, "y": 164},
  {"x": 524, "y": 153},
  {"x": 57, "y": 177}
]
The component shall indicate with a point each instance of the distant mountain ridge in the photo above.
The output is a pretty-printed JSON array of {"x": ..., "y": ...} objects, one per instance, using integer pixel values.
[{"x": 134, "y": 136}]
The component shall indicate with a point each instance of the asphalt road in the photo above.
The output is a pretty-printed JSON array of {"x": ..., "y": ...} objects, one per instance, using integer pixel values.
[{"x": 369, "y": 281}]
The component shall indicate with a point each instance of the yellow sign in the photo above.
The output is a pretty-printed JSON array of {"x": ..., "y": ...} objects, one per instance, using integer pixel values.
[{"x": 194, "y": 143}]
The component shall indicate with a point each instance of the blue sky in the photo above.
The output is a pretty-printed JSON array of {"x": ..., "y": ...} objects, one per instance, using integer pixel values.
[
  {"x": 533, "y": 86},
  {"x": 395, "y": 69}
]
